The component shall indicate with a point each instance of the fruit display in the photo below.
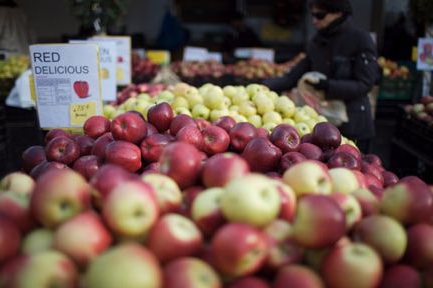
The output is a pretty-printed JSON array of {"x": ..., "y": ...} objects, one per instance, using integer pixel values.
[
  {"x": 423, "y": 110},
  {"x": 143, "y": 70},
  {"x": 133, "y": 90},
  {"x": 253, "y": 103},
  {"x": 191, "y": 69},
  {"x": 392, "y": 69},
  {"x": 14, "y": 66},
  {"x": 175, "y": 201}
]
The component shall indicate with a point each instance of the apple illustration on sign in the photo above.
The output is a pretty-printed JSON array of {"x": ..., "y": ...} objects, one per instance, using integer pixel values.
[{"x": 81, "y": 88}]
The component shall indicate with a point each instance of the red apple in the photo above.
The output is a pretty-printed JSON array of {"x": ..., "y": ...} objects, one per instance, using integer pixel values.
[
  {"x": 225, "y": 122},
  {"x": 32, "y": 156},
  {"x": 345, "y": 180},
  {"x": 151, "y": 147},
  {"x": 350, "y": 206},
  {"x": 240, "y": 134},
  {"x": 189, "y": 195},
  {"x": 249, "y": 282},
  {"x": 131, "y": 209},
  {"x": 15, "y": 206},
  {"x": 369, "y": 202},
  {"x": 190, "y": 272},
  {"x": 106, "y": 179},
  {"x": 307, "y": 138},
  {"x": 192, "y": 135},
  {"x": 262, "y": 155},
  {"x": 242, "y": 257},
  {"x": 100, "y": 144},
  {"x": 409, "y": 202},
  {"x": 389, "y": 178},
  {"x": 287, "y": 200},
  {"x": 401, "y": 276},
  {"x": 160, "y": 116},
  {"x": 56, "y": 132},
  {"x": 310, "y": 151},
  {"x": 151, "y": 129},
  {"x": 63, "y": 150},
  {"x": 45, "y": 166},
  {"x": 352, "y": 263},
  {"x": 262, "y": 132},
  {"x": 96, "y": 126},
  {"x": 180, "y": 121},
  {"x": 202, "y": 123},
  {"x": 167, "y": 192},
  {"x": 174, "y": 236},
  {"x": 219, "y": 169},
  {"x": 285, "y": 137},
  {"x": 372, "y": 159},
  {"x": 289, "y": 159},
  {"x": 129, "y": 126},
  {"x": 419, "y": 252},
  {"x": 68, "y": 238},
  {"x": 294, "y": 275},
  {"x": 10, "y": 239},
  {"x": 181, "y": 162},
  {"x": 326, "y": 136},
  {"x": 125, "y": 154},
  {"x": 383, "y": 233},
  {"x": 81, "y": 88},
  {"x": 109, "y": 269},
  {"x": 318, "y": 222},
  {"x": 345, "y": 160},
  {"x": 85, "y": 143},
  {"x": 349, "y": 149},
  {"x": 206, "y": 211},
  {"x": 87, "y": 165},
  {"x": 9, "y": 269},
  {"x": 215, "y": 140},
  {"x": 58, "y": 196},
  {"x": 374, "y": 170}
]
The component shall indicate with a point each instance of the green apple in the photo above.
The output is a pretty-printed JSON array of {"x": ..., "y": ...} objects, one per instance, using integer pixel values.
[
  {"x": 37, "y": 241},
  {"x": 229, "y": 91},
  {"x": 200, "y": 111},
  {"x": 215, "y": 114},
  {"x": 166, "y": 96},
  {"x": 247, "y": 109},
  {"x": 144, "y": 96},
  {"x": 108, "y": 111},
  {"x": 130, "y": 103},
  {"x": 234, "y": 108},
  {"x": 263, "y": 103},
  {"x": 240, "y": 97},
  {"x": 269, "y": 126},
  {"x": 180, "y": 89},
  {"x": 214, "y": 98},
  {"x": 109, "y": 270},
  {"x": 179, "y": 102},
  {"x": 272, "y": 117},
  {"x": 256, "y": 120},
  {"x": 274, "y": 96},
  {"x": 17, "y": 182},
  {"x": 252, "y": 199},
  {"x": 289, "y": 121},
  {"x": 193, "y": 99},
  {"x": 310, "y": 111},
  {"x": 254, "y": 89},
  {"x": 321, "y": 118},
  {"x": 308, "y": 177},
  {"x": 311, "y": 123},
  {"x": 302, "y": 128},
  {"x": 182, "y": 110},
  {"x": 285, "y": 106},
  {"x": 300, "y": 115}
]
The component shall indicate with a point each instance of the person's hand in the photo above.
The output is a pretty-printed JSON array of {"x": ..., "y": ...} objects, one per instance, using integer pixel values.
[{"x": 320, "y": 84}]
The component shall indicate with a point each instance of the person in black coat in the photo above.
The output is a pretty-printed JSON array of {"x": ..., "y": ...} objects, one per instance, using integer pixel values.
[{"x": 347, "y": 56}]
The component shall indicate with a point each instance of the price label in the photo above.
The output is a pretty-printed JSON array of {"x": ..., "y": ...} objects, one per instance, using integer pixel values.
[
  {"x": 79, "y": 113},
  {"x": 158, "y": 56}
]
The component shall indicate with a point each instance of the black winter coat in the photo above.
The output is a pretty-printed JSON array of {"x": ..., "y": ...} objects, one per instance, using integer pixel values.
[{"x": 347, "y": 56}]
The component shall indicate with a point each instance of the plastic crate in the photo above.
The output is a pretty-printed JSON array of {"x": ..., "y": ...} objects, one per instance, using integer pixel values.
[{"x": 397, "y": 89}]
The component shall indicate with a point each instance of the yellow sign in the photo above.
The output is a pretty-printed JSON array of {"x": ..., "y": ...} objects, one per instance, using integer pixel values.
[
  {"x": 158, "y": 56},
  {"x": 80, "y": 112}
]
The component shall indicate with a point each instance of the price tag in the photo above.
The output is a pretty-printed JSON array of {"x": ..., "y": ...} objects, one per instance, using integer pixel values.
[
  {"x": 80, "y": 112},
  {"x": 158, "y": 56},
  {"x": 65, "y": 75},
  {"x": 263, "y": 54},
  {"x": 216, "y": 56},
  {"x": 194, "y": 54},
  {"x": 123, "y": 61}
]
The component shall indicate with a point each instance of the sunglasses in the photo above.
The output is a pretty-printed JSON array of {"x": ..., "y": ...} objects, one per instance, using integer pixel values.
[{"x": 319, "y": 15}]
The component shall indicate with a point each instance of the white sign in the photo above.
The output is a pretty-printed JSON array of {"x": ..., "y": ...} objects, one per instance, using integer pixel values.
[
  {"x": 263, "y": 54},
  {"x": 67, "y": 83},
  {"x": 216, "y": 56},
  {"x": 124, "y": 65},
  {"x": 107, "y": 60},
  {"x": 194, "y": 54},
  {"x": 425, "y": 54},
  {"x": 243, "y": 53}
]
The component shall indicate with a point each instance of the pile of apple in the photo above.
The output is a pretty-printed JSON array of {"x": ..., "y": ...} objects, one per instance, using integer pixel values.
[
  {"x": 262, "y": 69},
  {"x": 253, "y": 103},
  {"x": 173, "y": 201},
  {"x": 192, "y": 69},
  {"x": 391, "y": 69},
  {"x": 423, "y": 110},
  {"x": 14, "y": 66},
  {"x": 133, "y": 90}
]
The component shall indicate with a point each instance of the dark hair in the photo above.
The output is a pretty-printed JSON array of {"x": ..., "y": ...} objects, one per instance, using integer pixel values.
[{"x": 332, "y": 5}]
